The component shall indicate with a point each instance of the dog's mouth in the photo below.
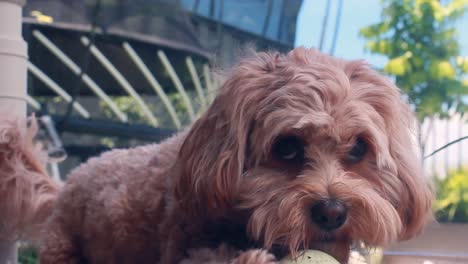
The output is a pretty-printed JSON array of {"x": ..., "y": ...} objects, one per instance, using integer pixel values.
[{"x": 327, "y": 238}]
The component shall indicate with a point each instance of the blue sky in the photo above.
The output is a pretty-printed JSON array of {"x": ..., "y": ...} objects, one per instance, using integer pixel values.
[{"x": 355, "y": 15}]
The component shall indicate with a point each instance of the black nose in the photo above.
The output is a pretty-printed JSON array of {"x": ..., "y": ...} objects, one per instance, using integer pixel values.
[{"x": 329, "y": 214}]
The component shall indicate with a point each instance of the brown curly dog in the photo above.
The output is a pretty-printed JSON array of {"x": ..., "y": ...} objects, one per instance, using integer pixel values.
[{"x": 297, "y": 151}]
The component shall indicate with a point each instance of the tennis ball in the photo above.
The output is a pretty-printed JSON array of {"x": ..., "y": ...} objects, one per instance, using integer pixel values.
[{"x": 311, "y": 257}]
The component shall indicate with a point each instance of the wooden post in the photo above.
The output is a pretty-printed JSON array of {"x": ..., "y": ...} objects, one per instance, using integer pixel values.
[{"x": 13, "y": 74}]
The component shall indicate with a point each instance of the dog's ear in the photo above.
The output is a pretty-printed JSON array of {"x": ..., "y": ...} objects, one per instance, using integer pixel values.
[
  {"x": 212, "y": 157},
  {"x": 210, "y": 162},
  {"x": 417, "y": 193}
]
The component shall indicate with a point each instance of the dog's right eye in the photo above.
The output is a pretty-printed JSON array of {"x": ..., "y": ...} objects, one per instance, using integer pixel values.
[{"x": 289, "y": 148}]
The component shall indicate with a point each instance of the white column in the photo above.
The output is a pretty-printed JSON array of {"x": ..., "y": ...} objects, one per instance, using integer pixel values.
[{"x": 13, "y": 56}]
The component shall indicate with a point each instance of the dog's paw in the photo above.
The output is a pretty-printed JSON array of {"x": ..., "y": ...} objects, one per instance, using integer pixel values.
[{"x": 256, "y": 256}]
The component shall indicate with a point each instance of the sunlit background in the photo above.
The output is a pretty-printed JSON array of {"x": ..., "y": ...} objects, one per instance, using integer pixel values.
[{"x": 355, "y": 14}]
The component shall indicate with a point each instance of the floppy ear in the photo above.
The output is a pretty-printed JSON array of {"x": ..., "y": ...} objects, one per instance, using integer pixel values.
[
  {"x": 417, "y": 193},
  {"x": 211, "y": 159}
]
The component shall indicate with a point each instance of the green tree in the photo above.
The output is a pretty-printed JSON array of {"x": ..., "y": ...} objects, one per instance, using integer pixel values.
[
  {"x": 452, "y": 196},
  {"x": 420, "y": 40}
]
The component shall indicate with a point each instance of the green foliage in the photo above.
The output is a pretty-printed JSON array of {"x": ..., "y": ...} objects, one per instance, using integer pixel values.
[
  {"x": 419, "y": 38},
  {"x": 452, "y": 197},
  {"x": 179, "y": 104},
  {"x": 27, "y": 255},
  {"x": 129, "y": 106},
  {"x": 135, "y": 114}
]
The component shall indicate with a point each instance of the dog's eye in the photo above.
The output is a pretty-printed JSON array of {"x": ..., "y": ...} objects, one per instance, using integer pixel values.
[
  {"x": 289, "y": 148},
  {"x": 358, "y": 151}
]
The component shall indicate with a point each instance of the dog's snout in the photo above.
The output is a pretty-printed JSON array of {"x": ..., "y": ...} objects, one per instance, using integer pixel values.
[{"x": 329, "y": 214}]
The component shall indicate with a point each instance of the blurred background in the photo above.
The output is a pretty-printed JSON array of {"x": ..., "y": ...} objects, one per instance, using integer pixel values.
[{"x": 106, "y": 74}]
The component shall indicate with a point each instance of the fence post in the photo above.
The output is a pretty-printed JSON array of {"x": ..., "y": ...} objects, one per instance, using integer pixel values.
[{"x": 13, "y": 74}]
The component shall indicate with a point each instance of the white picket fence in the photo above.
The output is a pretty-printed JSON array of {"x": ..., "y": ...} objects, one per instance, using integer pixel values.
[{"x": 439, "y": 133}]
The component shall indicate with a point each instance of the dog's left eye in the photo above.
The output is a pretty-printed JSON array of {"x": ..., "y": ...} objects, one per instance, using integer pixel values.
[
  {"x": 358, "y": 151},
  {"x": 289, "y": 148}
]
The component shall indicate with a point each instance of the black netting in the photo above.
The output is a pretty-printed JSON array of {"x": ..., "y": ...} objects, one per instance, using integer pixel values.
[{"x": 174, "y": 20}]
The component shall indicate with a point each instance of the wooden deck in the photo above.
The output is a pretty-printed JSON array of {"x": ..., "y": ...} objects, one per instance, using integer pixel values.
[{"x": 439, "y": 244}]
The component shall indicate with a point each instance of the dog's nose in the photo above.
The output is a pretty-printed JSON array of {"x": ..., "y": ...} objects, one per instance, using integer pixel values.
[{"x": 329, "y": 214}]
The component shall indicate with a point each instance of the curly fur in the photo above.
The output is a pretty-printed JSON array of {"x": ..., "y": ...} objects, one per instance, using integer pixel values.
[
  {"x": 216, "y": 194},
  {"x": 27, "y": 193}
]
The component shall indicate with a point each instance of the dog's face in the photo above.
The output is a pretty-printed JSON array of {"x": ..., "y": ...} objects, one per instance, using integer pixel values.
[{"x": 317, "y": 150}]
